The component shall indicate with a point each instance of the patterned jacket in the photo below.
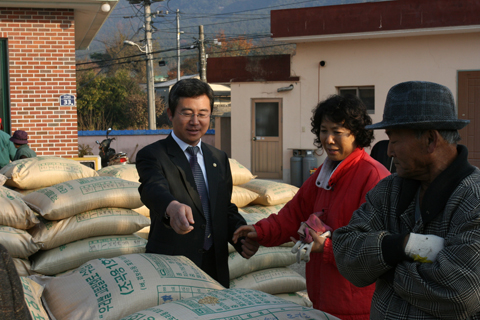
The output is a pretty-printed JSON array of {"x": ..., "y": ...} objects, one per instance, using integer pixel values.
[{"x": 369, "y": 249}]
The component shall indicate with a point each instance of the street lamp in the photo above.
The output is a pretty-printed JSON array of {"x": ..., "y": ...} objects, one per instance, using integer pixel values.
[{"x": 152, "y": 120}]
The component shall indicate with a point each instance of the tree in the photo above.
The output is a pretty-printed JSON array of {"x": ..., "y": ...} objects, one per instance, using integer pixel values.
[
  {"x": 112, "y": 101},
  {"x": 231, "y": 47},
  {"x": 109, "y": 92}
]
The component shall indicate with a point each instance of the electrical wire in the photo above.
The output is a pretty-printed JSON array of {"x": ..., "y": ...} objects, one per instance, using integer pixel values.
[{"x": 176, "y": 56}]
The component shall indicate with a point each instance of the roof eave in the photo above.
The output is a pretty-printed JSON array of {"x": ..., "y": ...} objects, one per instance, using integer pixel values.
[
  {"x": 88, "y": 15},
  {"x": 379, "y": 34}
]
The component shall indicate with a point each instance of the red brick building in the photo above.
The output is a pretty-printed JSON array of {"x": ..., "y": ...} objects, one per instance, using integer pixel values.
[{"x": 38, "y": 40}]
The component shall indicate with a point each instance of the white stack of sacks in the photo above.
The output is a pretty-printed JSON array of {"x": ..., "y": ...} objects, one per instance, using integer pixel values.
[
  {"x": 116, "y": 287},
  {"x": 151, "y": 286},
  {"x": 231, "y": 304},
  {"x": 110, "y": 280},
  {"x": 128, "y": 172},
  {"x": 267, "y": 270},
  {"x": 81, "y": 215},
  {"x": 15, "y": 219}
]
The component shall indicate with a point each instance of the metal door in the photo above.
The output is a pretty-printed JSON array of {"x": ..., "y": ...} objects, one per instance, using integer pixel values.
[{"x": 267, "y": 138}]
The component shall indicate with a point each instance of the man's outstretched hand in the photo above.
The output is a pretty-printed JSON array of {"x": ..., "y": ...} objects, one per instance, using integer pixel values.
[{"x": 181, "y": 217}]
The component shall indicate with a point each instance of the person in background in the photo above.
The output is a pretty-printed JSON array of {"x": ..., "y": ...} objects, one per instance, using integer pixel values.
[
  {"x": 20, "y": 140},
  {"x": 336, "y": 189},
  {"x": 417, "y": 237},
  {"x": 7, "y": 148},
  {"x": 187, "y": 185},
  {"x": 379, "y": 153}
]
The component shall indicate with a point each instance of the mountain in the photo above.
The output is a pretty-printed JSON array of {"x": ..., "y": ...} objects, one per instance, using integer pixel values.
[{"x": 248, "y": 18}]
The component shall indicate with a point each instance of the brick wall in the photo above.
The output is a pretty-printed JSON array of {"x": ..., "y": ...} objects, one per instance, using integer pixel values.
[{"x": 41, "y": 57}]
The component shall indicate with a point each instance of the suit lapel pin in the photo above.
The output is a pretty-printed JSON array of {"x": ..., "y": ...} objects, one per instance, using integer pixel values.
[{"x": 214, "y": 165}]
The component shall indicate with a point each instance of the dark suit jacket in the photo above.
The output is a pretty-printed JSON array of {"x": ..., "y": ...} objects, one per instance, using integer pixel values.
[
  {"x": 379, "y": 153},
  {"x": 165, "y": 175}
]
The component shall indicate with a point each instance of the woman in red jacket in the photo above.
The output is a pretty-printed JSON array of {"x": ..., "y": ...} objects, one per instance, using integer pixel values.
[{"x": 334, "y": 192}]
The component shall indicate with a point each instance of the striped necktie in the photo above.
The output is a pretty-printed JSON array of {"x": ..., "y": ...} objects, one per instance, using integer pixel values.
[{"x": 202, "y": 191}]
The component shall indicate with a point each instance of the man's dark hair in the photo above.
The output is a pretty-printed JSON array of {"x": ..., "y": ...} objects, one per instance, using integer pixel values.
[
  {"x": 189, "y": 88},
  {"x": 348, "y": 110}
]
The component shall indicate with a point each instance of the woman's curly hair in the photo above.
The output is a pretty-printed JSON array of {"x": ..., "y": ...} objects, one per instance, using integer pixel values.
[{"x": 348, "y": 110}]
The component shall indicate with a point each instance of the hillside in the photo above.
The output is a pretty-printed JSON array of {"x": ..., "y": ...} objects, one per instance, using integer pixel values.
[{"x": 248, "y": 18}]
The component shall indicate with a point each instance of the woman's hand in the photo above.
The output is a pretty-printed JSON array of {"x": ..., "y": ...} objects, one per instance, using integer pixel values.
[
  {"x": 318, "y": 240},
  {"x": 247, "y": 231}
]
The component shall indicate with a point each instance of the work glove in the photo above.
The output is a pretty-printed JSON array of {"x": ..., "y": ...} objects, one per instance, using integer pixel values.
[
  {"x": 424, "y": 247},
  {"x": 316, "y": 224},
  {"x": 306, "y": 241}
]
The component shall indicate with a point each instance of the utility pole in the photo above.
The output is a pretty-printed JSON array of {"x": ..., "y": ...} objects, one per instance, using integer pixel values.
[
  {"x": 148, "y": 49},
  {"x": 152, "y": 118},
  {"x": 178, "y": 45},
  {"x": 201, "y": 55}
]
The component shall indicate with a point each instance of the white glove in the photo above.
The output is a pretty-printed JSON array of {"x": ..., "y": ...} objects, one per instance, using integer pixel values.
[{"x": 424, "y": 247}]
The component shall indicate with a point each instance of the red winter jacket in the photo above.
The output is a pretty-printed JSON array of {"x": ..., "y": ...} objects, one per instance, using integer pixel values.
[{"x": 348, "y": 185}]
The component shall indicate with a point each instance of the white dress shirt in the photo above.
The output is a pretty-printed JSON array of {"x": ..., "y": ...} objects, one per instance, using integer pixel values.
[{"x": 200, "y": 160}]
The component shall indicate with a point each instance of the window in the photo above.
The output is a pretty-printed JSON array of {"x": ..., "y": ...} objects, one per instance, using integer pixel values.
[
  {"x": 4, "y": 101},
  {"x": 366, "y": 94}
]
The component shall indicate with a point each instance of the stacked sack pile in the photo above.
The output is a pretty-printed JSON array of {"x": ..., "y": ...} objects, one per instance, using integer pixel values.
[
  {"x": 82, "y": 221},
  {"x": 128, "y": 172},
  {"x": 151, "y": 286},
  {"x": 77, "y": 215},
  {"x": 268, "y": 269}
]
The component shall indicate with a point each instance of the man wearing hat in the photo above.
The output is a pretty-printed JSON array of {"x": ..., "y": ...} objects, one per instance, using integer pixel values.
[
  {"x": 417, "y": 237},
  {"x": 20, "y": 140},
  {"x": 7, "y": 149}
]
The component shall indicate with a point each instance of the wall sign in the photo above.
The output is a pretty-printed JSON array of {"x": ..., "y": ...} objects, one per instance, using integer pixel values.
[{"x": 67, "y": 100}]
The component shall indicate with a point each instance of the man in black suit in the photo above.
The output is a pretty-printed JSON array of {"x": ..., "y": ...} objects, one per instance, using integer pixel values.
[{"x": 172, "y": 185}]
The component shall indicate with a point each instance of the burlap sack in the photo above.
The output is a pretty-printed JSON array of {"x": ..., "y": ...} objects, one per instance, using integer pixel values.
[
  {"x": 14, "y": 212},
  {"x": 272, "y": 281},
  {"x": 240, "y": 174},
  {"x": 18, "y": 242},
  {"x": 143, "y": 233},
  {"x": 69, "y": 198},
  {"x": 74, "y": 254},
  {"x": 270, "y": 192},
  {"x": 32, "y": 292},
  {"x": 267, "y": 210},
  {"x": 124, "y": 171},
  {"x": 40, "y": 172},
  {"x": 242, "y": 197},
  {"x": 300, "y": 298},
  {"x": 143, "y": 210},
  {"x": 24, "y": 192},
  {"x": 23, "y": 267},
  {"x": 98, "y": 222},
  {"x": 264, "y": 258},
  {"x": 117, "y": 287},
  {"x": 252, "y": 218},
  {"x": 231, "y": 304}
]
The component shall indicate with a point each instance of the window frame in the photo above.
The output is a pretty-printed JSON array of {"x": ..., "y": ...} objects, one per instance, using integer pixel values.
[{"x": 357, "y": 93}]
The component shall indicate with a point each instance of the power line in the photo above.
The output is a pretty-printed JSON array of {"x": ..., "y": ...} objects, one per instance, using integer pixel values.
[
  {"x": 232, "y": 38},
  {"x": 184, "y": 55},
  {"x": 250, "y": 10}
]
